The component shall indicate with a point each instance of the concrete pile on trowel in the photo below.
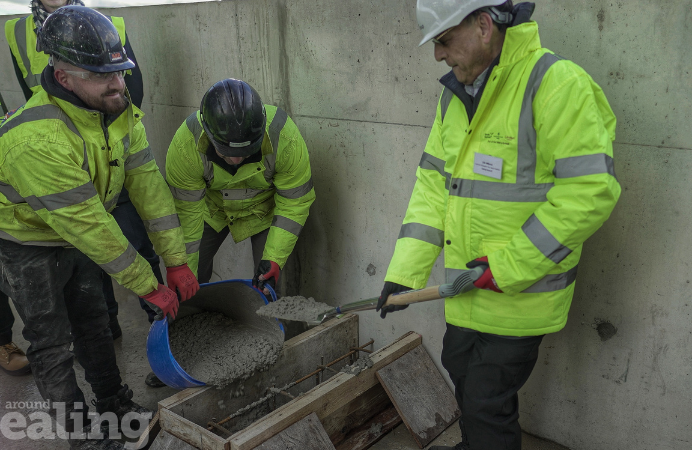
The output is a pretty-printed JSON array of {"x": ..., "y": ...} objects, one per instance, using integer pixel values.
[{"x": 314, "y": 313}]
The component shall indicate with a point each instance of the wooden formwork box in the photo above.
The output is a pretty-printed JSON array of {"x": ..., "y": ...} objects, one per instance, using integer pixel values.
[{"x": 342, "y": 401}]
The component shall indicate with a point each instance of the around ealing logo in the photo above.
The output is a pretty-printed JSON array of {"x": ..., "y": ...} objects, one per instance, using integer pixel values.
[{"x": 18, "y": 423}]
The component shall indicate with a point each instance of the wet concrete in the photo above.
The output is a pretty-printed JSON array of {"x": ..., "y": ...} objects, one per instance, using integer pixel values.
[{"x": 132, "y": 360}]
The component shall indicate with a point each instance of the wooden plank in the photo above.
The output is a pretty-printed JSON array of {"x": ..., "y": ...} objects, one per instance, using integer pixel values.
[
  {"x": 324, "y": 399},
  {"x": 360, "y": 410},
  {"x": 420, "y": 395},
  {"x": 372, "y": 431},
  {"x": 182, "y": 396},
  {"x": 301, "y": 355},
  {"x": 147, "y": 437},
  {"x": 166, "y": 441},
  {"x": 190, "y": 432},
  {"x": 306, "y": 434}
]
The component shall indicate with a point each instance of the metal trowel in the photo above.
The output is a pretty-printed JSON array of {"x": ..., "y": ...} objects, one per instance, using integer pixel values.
[{"x": 463, "y": 283}]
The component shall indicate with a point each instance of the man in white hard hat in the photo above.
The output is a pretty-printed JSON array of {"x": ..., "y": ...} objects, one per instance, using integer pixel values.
[{"x": 516, "y": 175}]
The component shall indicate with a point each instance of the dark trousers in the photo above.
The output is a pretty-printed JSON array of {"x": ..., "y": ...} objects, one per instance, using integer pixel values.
[
  {"x": 58, "y": 293},
  {"x": 211, "y": 242},
  {"x": 133, "y": 228},
  {"x": 487, "y": 372},
  {"x": 6, "y": 320}
]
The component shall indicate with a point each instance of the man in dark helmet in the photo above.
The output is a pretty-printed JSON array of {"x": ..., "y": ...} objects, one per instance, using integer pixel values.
[
  {"x": 28, "y": 66},
  {"x": 66, "y": 156},
  {"x": 240, "y": 167}
]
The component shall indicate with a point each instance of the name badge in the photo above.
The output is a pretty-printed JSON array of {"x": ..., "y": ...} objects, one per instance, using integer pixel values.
[{"x": 487, "y": 165}]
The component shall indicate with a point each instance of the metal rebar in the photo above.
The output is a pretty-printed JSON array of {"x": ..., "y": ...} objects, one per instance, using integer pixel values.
[
  {"x": 218, "y": 427},
  {"x": 271, "y": 394}
]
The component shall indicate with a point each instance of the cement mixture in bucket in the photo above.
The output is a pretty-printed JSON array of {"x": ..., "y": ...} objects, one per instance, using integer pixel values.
[
  {"x": 294, "y": 308},
  {"x": 213, "y": 348}
]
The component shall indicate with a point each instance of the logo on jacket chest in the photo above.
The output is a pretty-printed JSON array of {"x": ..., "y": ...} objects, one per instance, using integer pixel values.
[{"x": 499, "y": 138}]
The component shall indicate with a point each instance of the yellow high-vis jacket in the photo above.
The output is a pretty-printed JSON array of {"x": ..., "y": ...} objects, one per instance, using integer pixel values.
[
  {"x": 61, "y": 171},
  {"x": 21, "y": 37},
  {"x": 274, "y": 192},
  {"x": 525, "y": 183}
]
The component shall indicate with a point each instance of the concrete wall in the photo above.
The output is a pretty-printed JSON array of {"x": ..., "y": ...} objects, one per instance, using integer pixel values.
[{"x": 363, "y": 94}]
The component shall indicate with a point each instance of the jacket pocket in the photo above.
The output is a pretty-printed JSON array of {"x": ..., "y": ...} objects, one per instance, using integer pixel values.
[
  {"x": 490, "y": 245},
  {"x": 27, "y": 218}
]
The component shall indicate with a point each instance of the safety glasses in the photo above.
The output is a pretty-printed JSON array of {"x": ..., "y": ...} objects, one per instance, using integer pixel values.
[
  {"x": 437, "y": 38},
  {"x": 97, "y": 77}
]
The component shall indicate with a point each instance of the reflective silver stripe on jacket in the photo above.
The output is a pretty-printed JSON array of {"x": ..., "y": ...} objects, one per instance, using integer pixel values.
[
  {"x": 525, "y": 189},
  {"x": 549, "y": 283},
  {"x": 192, "y": 247},
  {"x": 274, "y": 132},
  {"x": 162, "y": 223},
  {"x": 296, "y": 192},
  {"x": 445, "y": 100},
  {"x": 526, "y": 139},
  {"x": 241, "y": 194},
  {"x": 9, "y": 237},
  {"x": 186, "y": 195},
  {"x": 11, "y": 193},
  {"x": 579, "y": 166},
  {"x": 194, "y": 126},
  {"x": 208, "y": 169},
  {"x": 112, "y": 202},
  {"x": 422, "y": 232},
  {"x": 122, "y": 262},
  {"x": 138, "y": 159},
  {"x": 52, "y": 202},
  {"x": 46, "y": 112},
  {"x": 126, "y": 144},
  {"x": 544, "y": 241},
  {"x": 507, "y": 192},
  {"x": 39, "y": 113},
  {"x": 287, "y": 224},
  {"x": 430, "y": 162},
  {"x": 31, "y": 79}
]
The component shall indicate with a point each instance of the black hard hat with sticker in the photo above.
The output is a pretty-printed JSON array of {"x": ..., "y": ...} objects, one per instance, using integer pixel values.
[{"x": 84, "y": 38}]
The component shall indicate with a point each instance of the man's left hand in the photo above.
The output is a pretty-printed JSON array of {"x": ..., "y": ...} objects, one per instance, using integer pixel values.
[
  {"x": 182, "y": 279},
  {"x": 487, "y": 280},
  {"x": 267, "y": 274}
]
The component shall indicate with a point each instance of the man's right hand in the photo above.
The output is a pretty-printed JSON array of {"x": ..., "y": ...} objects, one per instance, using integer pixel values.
[
  {"x": 389, "y": 289},
  {"x": 163, "y": 301}
]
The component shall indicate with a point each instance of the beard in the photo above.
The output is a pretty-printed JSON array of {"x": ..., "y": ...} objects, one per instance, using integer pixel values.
[{"x": 103, "y": 103}]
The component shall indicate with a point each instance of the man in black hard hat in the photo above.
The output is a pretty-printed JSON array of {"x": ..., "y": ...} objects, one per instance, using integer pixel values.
[
  {"x": 241, "y": 167},
  {"x": 66, "y": 156},
  {"x": 28, "y": 66}
]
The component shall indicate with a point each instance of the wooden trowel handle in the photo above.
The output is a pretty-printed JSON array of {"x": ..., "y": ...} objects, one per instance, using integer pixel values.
[{"x": 415, "y": 296}]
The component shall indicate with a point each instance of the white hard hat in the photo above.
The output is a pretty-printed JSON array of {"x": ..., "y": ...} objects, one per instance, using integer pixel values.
[{"x": 435, "y": 16}]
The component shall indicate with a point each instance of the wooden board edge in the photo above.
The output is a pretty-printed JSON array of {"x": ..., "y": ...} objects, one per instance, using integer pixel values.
[
  {"x": 309, "y": 402},
  {"x": 176, "y": 425}
]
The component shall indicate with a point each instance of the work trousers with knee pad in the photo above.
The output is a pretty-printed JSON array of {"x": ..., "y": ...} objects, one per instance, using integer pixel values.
[
  {"x": 487, "y": 371},
  {"x": 58, "y": 293}
]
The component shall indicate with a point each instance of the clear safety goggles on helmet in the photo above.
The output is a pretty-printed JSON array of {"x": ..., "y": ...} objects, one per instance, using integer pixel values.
[{"x": 97, "y": 77}]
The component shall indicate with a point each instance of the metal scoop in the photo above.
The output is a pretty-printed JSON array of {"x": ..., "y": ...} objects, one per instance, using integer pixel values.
[{"x": 463, "y": 283}]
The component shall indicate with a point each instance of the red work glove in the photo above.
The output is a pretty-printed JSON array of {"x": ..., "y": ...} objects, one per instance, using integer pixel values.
[
  {"x": 486, "y": 281},
  {"x": 267, "y": 273},
  {"x": 182, "y": 279},
  {"x": 163, "y": 301}
]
